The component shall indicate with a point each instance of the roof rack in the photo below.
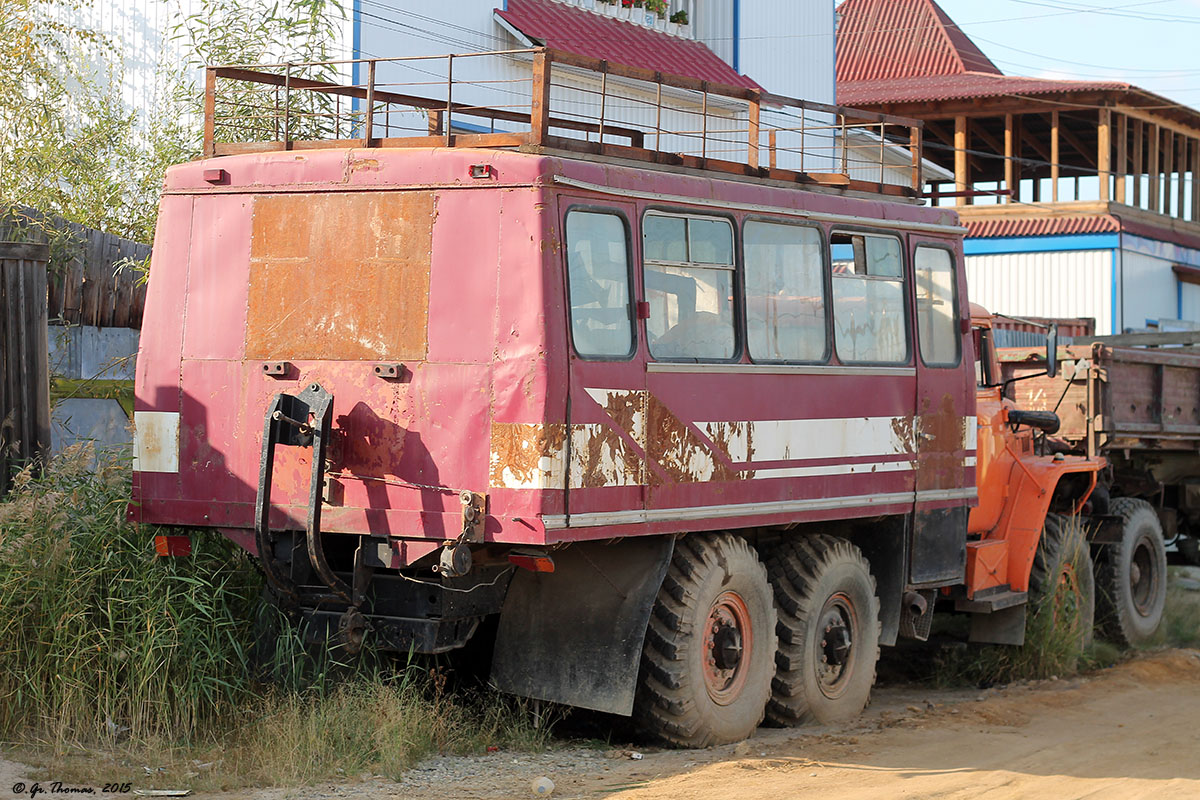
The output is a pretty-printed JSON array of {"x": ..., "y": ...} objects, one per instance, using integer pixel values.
[{"x": 603, "y": 109}]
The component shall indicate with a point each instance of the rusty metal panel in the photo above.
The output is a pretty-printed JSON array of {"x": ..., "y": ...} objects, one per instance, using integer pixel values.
[{"x": 340, "y": 277}]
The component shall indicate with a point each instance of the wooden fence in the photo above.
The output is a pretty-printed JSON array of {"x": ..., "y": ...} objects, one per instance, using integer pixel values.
[
  {"x": 92, "y": 280},
  {"x": 24, "y": 378}
]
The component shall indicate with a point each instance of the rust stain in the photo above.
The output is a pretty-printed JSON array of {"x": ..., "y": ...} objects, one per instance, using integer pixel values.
[
  {"x": 364, "y": 165},
  {"x": 941, "y": 434},
  {"x": 682, "y": 455},
  {"x": 604, "y": 459},
  {"x": 340, "y": 276},
  {"x": 517, "y": 450}
]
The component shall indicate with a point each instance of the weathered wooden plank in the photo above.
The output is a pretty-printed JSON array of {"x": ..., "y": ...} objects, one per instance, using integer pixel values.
[{"x": 24, "y": 367}]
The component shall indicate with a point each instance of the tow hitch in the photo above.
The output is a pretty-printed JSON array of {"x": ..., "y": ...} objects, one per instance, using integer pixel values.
[{"x": 301, "y": 420}]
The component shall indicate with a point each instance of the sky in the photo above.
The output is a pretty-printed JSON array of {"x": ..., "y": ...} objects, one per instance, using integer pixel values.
[{"x": 1154, "y": 44}]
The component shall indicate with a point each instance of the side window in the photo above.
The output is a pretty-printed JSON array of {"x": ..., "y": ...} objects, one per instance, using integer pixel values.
[
  {"x": 937, "y": 320},
  {"x": 598, "y": 284},
  {"x": 785, "y": 292},
  {"x": 689, "y": 285},
  {"x": 868, "y": 299}
]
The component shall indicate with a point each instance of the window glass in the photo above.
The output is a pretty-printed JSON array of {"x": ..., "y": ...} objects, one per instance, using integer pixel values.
[
  {"x": 868, "y": 299},
  {"x": 785, "y": 292},
  {"x": 937, "y": 322},
  {"x": 710, "y": 241},
  {"x": 689, "y": 285},
  {"x": 664, "y": 239},
  {"x": 598, "y": 284}
]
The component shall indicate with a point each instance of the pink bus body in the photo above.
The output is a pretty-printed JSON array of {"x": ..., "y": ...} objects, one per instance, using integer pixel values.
[{"x": 426, "y": 291}]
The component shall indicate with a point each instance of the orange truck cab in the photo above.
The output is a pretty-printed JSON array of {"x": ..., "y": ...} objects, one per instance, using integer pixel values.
[{"x": 1027, "y": 496}]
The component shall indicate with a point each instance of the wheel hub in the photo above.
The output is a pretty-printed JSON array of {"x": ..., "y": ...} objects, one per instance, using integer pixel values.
[
  {"x": 728, "y": 642},
  {"x": 1143, "y": 583},
  {"x": 838, "y": 625}
]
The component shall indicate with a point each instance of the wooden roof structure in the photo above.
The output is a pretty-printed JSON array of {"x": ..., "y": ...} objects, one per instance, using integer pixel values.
[{"x": 996, "y": 131}]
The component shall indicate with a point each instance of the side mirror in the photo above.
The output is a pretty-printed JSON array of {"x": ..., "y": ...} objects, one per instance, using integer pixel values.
[{"x": 1052, "y": 350}]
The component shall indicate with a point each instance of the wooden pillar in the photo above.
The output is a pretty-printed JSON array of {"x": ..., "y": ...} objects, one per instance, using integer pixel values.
[
  {"x": 1054, "y": 122},
  {"x": 1122, "y": 165},
  {"x": 210, "y": 112},
  {"x": 1008, "y": 157},
  {"x": 539, "y": 108},
  {"x": 1196, "y": 180},
  {"x": 1103, "y": 155},
  {"x": 1168, "y": 170},
  {"x": 961, "y": 176},
  {"x": 1139, "y": 150},
  {"x": 1153, "y": 135},
  {"x": 914, "y": 149},
  {"x": 755, "y": 134},
  {"x": 1181, "y": 200}
]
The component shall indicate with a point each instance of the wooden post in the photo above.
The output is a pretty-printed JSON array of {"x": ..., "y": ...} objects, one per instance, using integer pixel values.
[
  {"x": 961, "y": 177},
  {"x": 1054, "y": 123},
  {"x": 1122, "y": 165},
  {"x": 1168, "y": 170},
  {"x": 1103, "y": 155},
  {"x": 914, "y": 149},
  {"x": 755, "y": 119},
  {"x": 1196, "y": 180},
  {"x": 539, "y": 109},
  {"x": 369, "y": 123},
  {"x": 772, "y": 143},
  {"x": 1008, "y": 157},
  {"x": 1181, "y": 200},
  {"x": 210, "y": 112},
  {"x": 1139, "y": 164},
  {"x": 24, "y": 363},
  {"x": 1153, "y": 136}
]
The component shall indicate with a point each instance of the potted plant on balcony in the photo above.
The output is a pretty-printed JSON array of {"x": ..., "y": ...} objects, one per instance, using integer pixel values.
[{"x": 678, "y": 23}]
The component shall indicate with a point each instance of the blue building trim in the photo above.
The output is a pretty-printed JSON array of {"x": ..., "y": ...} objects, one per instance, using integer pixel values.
[
  {"x": 1041, "y": 244},
  {"x": 737, "y": 35}
]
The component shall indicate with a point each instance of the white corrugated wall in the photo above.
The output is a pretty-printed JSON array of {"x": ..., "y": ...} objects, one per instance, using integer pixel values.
[
  {"x": 788, "y": 46},
  {"x": 1067, "y": 284}
]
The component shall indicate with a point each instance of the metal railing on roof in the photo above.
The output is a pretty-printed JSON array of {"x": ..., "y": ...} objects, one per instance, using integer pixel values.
[{"x": 551, "y": 99}]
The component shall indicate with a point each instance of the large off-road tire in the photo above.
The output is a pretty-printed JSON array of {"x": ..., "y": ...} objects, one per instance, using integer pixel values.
[
  {"x": 828, "y": 630},
  {"x": 1132, "y": 575},
  {"x": 710, "y": 646},
  {"x": 1062, "y": 576}
]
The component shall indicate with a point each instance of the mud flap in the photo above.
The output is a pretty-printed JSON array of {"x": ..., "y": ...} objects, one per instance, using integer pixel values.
[
  {"x": 575, "y": 635},
  {"x": 1005, "y": 626}
]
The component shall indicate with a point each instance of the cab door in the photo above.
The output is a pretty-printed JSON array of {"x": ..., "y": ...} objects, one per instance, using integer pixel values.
[
  {"x": 945, "y": 414},
  {"x": 606, "y": 397}
]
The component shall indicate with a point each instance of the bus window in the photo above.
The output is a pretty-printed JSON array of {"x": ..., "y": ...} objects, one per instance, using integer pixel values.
[
  {"x": 868, "y": 299},
  {"x": 937, "y": 322},
  {"x": 689, "y": 285},
  {"x": 785, "y": 292},
  {"x": 598, "y": 284}
]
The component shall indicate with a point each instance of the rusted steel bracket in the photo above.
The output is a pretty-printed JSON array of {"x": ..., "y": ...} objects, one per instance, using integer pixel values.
[
  {"x": 455, "y": 560},
  {"x": 302, "y": 420}
]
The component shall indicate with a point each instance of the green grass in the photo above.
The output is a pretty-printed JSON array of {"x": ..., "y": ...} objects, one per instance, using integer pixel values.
[
  {"x": 1181, "y": 620},
  {"x": 107, "y": 650}
]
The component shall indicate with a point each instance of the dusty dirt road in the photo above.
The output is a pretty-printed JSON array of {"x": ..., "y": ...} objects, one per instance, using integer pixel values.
[{"x": 1128, "y": 732}]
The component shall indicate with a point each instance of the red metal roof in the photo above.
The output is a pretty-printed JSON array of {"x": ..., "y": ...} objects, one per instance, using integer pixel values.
[
  {"x": 909, "y": 51},
  {"x": 963, "y": 85},
  {"x": 575, "y": 30},
  {"x": 1051, "y": 226},
  {"x": 879, "y": 39}
]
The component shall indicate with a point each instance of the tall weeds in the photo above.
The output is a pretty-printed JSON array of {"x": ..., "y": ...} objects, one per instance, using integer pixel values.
[
  {"x": 98, "y": 637},
  {"x": 103, "y": 644}
]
